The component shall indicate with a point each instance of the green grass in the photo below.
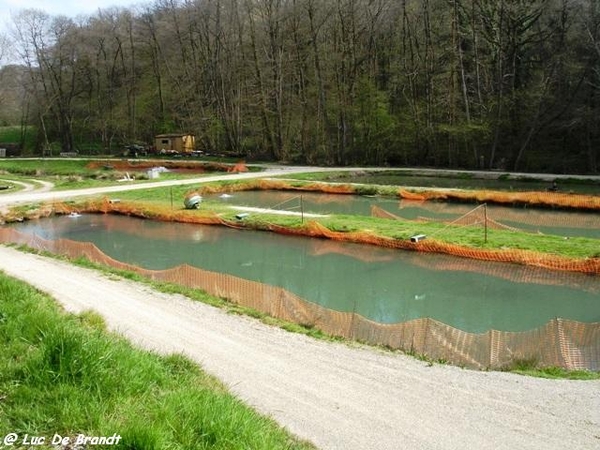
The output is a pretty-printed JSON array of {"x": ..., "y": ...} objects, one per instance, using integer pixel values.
[
  {"x": 468, "y": 236},
  {"x": 12, "y": 134},
  {"x": 530, "y": 367},
  {"x": 472, "y": 237},
  {"x": 64, "y": 374},
  {"x": 46, "y": 167},
  {"x": 74, "y": 174},
  {"x": 64, "y": 174}
]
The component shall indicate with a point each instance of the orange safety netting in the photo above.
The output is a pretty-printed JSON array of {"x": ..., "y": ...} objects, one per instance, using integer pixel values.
[
  {"x": 529, "y": 216},
  {"x": 273, "y": 184},
  {"x": 238, "y": 168},
  {"x": 475, "y": 217},
  {"x": 561, "y": 343},
  {"x": 544, "y": 199}
]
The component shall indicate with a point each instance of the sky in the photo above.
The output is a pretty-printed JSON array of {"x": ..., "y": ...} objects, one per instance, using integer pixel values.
[{"x": 70, "y": 8}]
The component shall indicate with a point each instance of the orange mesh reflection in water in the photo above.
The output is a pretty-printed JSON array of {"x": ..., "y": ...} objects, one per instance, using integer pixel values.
[
  {"x": 532, "y": 275},
  {"x": 319, "y": 247},
  {"x": 377, "y": 211},
  {"x": 561, "y": 343}
]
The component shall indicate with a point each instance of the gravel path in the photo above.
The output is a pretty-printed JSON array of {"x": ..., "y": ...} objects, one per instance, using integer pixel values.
[
  {"x": 335, "y": 395},
  {"x": 33, "y": 186},
  {"x": 45, "y": 195}
]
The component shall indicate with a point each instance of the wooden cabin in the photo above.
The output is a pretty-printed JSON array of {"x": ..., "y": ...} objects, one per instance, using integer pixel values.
[{"x": 175, "y": 142}]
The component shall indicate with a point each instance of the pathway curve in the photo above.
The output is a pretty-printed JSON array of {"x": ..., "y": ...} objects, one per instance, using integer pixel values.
[
  {"x": 33, "y": 186},
  {"x": 44, "y": 195},
  {"x": 337, "y": 396}
]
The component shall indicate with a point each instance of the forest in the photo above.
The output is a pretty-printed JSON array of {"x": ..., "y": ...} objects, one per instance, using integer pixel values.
[{"x": 486, "y": 84}]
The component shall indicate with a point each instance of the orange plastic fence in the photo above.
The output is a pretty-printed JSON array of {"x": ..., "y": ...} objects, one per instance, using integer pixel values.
[
  {"x": 501, "y": 219},
  {"x": 562, "y": 343},
  {"x": 545, "y": 199},
  {"x": 475, "y": 217},
  {"x": 273, "y": 184}
]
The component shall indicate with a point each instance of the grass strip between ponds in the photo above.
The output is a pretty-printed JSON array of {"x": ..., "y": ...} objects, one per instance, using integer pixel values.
[
  {"x": 576, "y": 249},
  {"x": 65, "y": 374},
  {"x": 165, "y": 202}
]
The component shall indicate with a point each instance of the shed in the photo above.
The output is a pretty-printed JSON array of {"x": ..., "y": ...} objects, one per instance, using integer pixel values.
[
  {"x": 178, "y": 142},
  {"x": 10, "y": 149}
]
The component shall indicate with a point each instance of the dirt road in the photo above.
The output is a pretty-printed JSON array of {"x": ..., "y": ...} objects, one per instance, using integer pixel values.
[
  {"x": 335, "y": 395},
  {"x": 33, "y": 186},
  {"x": 271, "y": 171},
  {"x": 44, "y": 195}
]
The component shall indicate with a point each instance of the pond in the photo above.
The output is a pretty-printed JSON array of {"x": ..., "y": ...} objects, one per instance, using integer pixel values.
[
  {"x": 384, "y": 285},
  {"x": 535, "y": 220}
]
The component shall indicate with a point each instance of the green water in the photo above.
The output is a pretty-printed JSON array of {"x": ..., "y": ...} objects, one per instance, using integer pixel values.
[
  {"x": 384, "y": 285},
  {"x": 546, "y": 221}
]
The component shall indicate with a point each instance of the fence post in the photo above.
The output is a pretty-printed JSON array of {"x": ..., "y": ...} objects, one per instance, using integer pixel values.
[
  {"x": 493, "y": 343},
  {"x": 485, "y": 222}
]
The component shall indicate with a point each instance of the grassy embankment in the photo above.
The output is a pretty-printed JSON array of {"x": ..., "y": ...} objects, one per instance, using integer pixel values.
[
  {"x": 65, "y": 374},
  {"x": 64, "y": 174},
  {"x": 80, "y": 173}
]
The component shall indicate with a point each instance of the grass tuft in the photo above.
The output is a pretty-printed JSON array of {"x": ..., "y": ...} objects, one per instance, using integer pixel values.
[{"x": 531, "y": 367}]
